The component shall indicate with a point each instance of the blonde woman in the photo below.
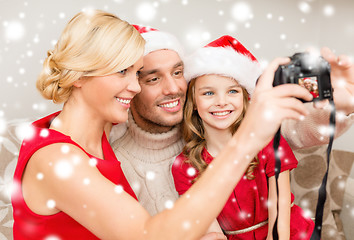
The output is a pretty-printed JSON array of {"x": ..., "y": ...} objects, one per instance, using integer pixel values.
[{"x": 68, "y": 183}]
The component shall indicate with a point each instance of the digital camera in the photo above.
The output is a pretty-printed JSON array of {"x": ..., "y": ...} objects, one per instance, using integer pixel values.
[{"x": 309, "y": 71}]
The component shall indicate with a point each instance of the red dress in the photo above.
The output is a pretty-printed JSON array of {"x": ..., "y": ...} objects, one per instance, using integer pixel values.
[
  {"x": 31, "y": 226},
  {"x": 247, "y": 205}
]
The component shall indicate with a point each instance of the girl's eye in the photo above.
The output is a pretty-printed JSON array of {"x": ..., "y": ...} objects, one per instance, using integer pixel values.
[
  {"x": 208, "y": 93},
  {"x": 233, "y": 91},
  {"x": 123, "y": 71}
]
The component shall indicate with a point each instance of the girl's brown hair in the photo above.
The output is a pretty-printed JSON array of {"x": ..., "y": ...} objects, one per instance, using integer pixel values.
[{"x": 193, "y": 132}]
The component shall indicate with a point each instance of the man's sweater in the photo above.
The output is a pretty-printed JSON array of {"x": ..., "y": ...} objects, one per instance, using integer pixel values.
[{"x": 146, "y": 160}]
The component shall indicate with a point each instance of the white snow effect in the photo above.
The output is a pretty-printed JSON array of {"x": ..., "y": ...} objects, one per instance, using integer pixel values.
[
  {"x": 51, "y": 203},
  {"x": 169, "y": 204},
  {"x": 24, "y": 130},
  {"x": 86, "y": 181},
  {"x": 150, "y": 175},
  {"x": 40, "y": 176},
  {"x": 14, "y": 30},
  {"x": 52, "y": 237},
  {"x": 231, "y": 27},
  {"x": 191, "y": 171},
  {"x": 93, "y": 162},
  {"x": 44, "y": 133},
  {"x": 304, "y": 7},
  {"x": 118, "y": 189},
  {"x": 145, "y": 11},
  {"x": 65, "y": 149},
  {"x": 328, "y": 10},
  {"x": 241, "y": 11},
  {"x": 63, "y": 169}
]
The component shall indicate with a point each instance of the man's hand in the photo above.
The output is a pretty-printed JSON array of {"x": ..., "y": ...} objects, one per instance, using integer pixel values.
[{"x": 342, "y": 79}]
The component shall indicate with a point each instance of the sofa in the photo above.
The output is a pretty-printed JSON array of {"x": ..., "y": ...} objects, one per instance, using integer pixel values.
[{"x": 338, "y": 218}]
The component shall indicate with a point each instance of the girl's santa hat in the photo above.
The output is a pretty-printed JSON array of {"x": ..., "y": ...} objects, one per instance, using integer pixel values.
[
  {"x": 158, "y": 40},
  {"x": 226, "y": 57}
]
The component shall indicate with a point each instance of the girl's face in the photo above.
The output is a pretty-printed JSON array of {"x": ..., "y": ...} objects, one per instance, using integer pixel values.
[
  {"x": 219, "y": 101},
  {"x": 109, "y": 96}
]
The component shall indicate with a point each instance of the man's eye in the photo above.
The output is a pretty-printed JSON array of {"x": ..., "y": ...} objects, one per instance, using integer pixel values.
[
  {"x": 153, "y": 79},
  {"x": 137, "y": 73},
  {"x": 178, "y": 73}
]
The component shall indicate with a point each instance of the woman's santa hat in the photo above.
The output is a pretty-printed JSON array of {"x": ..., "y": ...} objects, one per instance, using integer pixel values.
[
  {"x": 158, "y": 40},
  {"x": 226, "y": 57}
]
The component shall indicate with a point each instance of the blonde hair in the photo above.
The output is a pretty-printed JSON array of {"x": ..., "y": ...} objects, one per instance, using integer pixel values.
[
  {"x": 93, "y": 43},
  {"x": 193, "y": 132}
]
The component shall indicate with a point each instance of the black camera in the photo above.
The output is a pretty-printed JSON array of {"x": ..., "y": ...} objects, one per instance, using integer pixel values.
[{"x": 309, "y": 71}]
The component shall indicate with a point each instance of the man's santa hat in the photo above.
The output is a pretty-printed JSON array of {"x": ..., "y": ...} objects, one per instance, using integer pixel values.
[
  {"x": 159, "y": 40},
  {"x": 226, "y": 57}
]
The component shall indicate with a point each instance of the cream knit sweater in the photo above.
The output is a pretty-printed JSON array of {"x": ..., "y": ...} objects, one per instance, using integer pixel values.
[{"x": 146, "y": 162}]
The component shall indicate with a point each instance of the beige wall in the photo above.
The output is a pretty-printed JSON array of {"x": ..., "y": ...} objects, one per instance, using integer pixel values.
[{"x": 272, "y": 28}]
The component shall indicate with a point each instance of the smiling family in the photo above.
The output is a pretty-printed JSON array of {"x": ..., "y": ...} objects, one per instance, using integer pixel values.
[{"x": 210, "y": 139}]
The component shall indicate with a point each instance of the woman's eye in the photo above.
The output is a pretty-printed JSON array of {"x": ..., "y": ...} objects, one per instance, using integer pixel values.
[{"x": 123, "y": 71}]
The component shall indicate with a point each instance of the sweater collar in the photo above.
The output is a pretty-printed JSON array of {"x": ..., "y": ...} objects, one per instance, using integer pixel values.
[{"x": 154, "y": 141}]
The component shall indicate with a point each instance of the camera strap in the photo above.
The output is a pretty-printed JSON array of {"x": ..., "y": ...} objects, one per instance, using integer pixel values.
[{"x": 316, "y": 234}]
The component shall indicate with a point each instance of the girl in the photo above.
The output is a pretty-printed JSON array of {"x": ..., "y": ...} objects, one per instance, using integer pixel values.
[
  {"x": 68, "y": 183},
  {"x": 222, "y": 78}
]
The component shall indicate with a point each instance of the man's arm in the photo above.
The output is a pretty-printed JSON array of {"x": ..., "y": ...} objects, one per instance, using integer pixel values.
[{"x": 314, "y": 129}]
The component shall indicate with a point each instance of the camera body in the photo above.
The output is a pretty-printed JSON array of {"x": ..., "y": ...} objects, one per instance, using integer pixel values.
[{"x": 309, "y": 71}]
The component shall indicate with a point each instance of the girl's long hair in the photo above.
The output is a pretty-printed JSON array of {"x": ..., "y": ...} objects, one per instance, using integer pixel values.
[{"x": 193, "y": 132}]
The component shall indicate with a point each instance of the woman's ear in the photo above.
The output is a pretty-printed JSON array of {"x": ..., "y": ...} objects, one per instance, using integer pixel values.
[{"x": 78, "y": 83}]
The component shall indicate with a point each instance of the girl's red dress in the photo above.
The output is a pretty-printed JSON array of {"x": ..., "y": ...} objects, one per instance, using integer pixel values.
[
  {"x": 31, "y": 226},
  {"x": 247, "y": 205}
]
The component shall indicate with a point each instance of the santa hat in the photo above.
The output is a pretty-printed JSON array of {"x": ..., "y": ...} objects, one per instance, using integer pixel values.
[
  {"x": 158, "y": 40},
  {"x": 226, "y": 57}
]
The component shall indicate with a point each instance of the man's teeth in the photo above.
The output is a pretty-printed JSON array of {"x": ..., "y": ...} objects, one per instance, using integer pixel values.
[
  {"x": 170, "y": 105},
  {"x": 125, "y": 101},
  {"x": 221, "y": 113}
]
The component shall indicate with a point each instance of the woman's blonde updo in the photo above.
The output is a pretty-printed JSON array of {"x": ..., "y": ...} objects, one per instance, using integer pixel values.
[{"x": 94, "y": 43}]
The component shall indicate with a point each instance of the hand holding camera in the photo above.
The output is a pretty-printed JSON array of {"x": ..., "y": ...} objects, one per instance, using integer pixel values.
[{"x": 309, "y": 71}]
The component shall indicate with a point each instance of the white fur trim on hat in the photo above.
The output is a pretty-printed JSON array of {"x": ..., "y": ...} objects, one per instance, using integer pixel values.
[
  {"x": 224, "y": 61},
  {"x": 157, "y": 40}
]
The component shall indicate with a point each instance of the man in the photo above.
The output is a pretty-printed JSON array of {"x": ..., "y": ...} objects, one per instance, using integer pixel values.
[{"x": 149, "y": 143}]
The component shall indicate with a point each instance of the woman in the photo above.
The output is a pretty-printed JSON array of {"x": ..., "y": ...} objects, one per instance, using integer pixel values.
[{"x": 69, "y": 185}]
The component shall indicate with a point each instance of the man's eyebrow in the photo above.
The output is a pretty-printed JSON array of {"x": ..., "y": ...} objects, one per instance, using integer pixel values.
[{"x": 179, "y": 64}]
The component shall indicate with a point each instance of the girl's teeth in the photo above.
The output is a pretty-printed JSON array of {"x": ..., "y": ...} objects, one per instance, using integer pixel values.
[{"x": 221, "y": 113}]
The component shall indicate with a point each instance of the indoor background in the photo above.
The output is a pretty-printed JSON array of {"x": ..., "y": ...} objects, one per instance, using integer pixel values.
[{"x": 268, "y": 28}]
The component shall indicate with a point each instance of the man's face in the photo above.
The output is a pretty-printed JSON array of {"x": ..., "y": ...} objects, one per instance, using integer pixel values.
[{"x": 159, "y": 105}]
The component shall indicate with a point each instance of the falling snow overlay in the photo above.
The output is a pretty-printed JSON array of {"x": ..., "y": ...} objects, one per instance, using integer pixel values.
[{"x": 267, "y": 28}]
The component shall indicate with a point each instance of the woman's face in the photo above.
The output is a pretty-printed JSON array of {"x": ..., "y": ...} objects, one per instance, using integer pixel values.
[
  {"x": 219, "y": 101},
  {"x": 109, "y": 96}
]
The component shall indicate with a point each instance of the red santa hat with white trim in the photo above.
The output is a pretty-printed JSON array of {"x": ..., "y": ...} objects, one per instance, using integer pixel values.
[
  {"x": 159, "y": 40},
  {"x": 226, "y": 57}
]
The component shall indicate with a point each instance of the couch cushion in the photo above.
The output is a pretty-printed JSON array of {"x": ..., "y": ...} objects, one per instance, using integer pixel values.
[
  {"x": 10, "y": 141},
  {"x": 307, "y": 177}
]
